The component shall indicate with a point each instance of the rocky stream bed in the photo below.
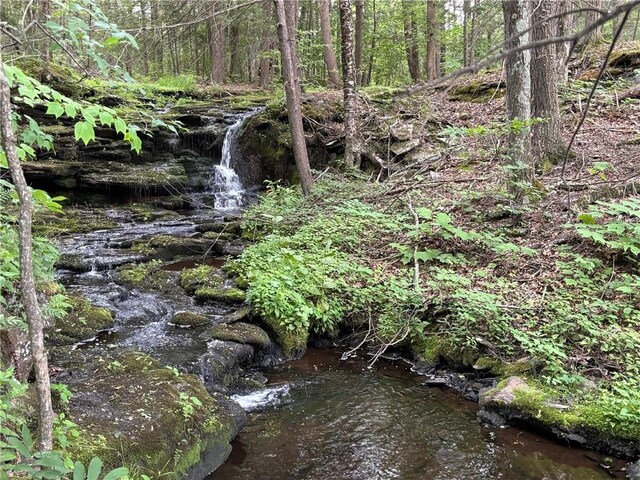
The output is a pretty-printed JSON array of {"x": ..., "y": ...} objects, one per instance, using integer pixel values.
[{"x": 164, "y": 356}]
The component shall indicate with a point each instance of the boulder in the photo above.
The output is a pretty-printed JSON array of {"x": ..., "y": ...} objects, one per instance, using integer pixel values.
[
  {"x": 188, "y": 319},
  {"x": 402, "y": 132},
  {"x": 240, "y": 332},
  {"x": 222, "y": 365},
  {"x": 400, "y": 148}
]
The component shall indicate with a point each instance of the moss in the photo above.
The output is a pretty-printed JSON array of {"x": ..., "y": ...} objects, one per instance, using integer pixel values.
[
  {"x": 72, "y": 221},
  {"x": 188, "y": 319},
  {"x": 143, "y": 422},
  {"x": 191, "y": 279},
  {"x": 218, "y": 236},
  {"x": 146, "y": 276},
  {"x": 143, "y": 212},
  {"x": 242, "y": 333},
  {"x": 82, "y": 321},
  {"x": 441, "y": 349},
  {"x": 293, "y": 342},
  {"x": 477, "y": 91},
  {"x": 231, "y": 294}
]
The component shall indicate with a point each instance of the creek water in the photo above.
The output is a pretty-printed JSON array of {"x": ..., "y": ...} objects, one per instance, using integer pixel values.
[{"x": 322, "y": 418}]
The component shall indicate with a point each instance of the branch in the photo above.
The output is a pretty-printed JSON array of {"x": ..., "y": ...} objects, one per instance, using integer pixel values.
[{"x": 491, "y": 59}]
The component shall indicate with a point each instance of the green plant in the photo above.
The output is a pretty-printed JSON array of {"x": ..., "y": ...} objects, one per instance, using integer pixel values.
[
  {"x": 613, "y": 224},
  {"x": 188, "y": 405}
]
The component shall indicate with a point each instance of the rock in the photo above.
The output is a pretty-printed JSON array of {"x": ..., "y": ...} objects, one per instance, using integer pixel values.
[
  {"x": 400, "y": 148},
  {"x": 402, "y": 132},
  {"x": 420, "y": 155},
  {"x": 229, "y": 294},
  {"x": 132, "y": 410},
  {"x": 633, "y": 471},
  {"x": 192, "y": 279},
  {"x": 222, "y": 365},
  {"x": 188, "y": 319},
  {"x": 241, "y": 332},
  {"x": 233, "y": 227},
  {"x": 83, "y": 321},
  {"x": 506, "y": 394},
  {"x": 491, "y": 417},
  {"x": 238, "y": 315}
]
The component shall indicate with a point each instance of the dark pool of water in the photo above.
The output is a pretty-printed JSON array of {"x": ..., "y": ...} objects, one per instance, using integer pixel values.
[{"x": 326, "y": 419}]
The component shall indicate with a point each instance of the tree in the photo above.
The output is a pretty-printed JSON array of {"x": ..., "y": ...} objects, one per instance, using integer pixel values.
[
  {"x": 359, "y": 39},
  {"x": 432, "y": 41},
  {"x": 35, "y": 320},
  {"x": 351, "y": 149},
  {"x": 292, "y": 90},
  {"x": 518, "y": 96},
  {"x": 411, "y": 39},
  {"x": 217, "y": 45},
  {"x": 565, "y": 26},
  {"x": 267, "y": 45},
  {"x": 327, "y": 44},
  {"x": 596, "y": 35},
  {"x": 546, "y": 139}
]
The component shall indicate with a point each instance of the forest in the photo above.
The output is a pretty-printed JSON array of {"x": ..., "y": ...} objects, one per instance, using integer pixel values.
[{"x": 304, "y": 239}]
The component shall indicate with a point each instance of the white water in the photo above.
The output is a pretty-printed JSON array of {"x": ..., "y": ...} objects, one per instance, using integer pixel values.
[
  {"x": 225, "y": 183},
  {"x": 267, "y": 397}
]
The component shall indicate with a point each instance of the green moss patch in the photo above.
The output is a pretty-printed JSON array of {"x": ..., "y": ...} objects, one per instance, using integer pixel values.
[
  {"x": 146, "y": 276},
  {"x": 188, "y": 319},
  {"x": 242, "y": 333},
  {"x": 82, "y": 321},
  {"x": 152, "y": 419}
]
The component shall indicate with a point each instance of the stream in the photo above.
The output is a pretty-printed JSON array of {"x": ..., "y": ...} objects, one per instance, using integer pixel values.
[
  {"x": 323, "y": 418},
  {"x": 318, "y": 417}
]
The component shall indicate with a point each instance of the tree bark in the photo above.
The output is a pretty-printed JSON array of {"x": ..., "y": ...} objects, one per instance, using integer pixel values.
[
  {"x": 565, "y": 27},
  {"x": 234, "y": 41},
  {"x": 292, "y": 90},
  {"x": 217, "y": 45},
  {"x": 32, "y": 311},
  {"x": 474, "y": 33},
  {"x": 432, "y": 43},
  {"x": 411, "y": 40},
  {"x": 359, "y": 39},
  {"x": 595, "y": 36},
  {"x": 351, "y": 149},
  {"x": 546, "y": 140},
  {"x": 366, "y": 76},
  {"x": 518, "y": 96},
  {"x": 267, "y": 45},
  {"x": 327, "y": 43},
  {"x": 466, "y": 7}
]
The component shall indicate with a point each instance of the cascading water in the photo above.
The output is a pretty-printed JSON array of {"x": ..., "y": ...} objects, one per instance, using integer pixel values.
[{"x": 225, "y": 183}]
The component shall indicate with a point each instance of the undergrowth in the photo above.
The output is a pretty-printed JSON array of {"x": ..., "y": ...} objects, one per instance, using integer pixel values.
[{"x": 453, "y": 288}]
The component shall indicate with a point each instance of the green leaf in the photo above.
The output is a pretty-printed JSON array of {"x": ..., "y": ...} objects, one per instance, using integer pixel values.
[
  {"x": 427, "y": 255},
  {"x": 120, "y": 125},
  {"x": 79, "y": 472},
  {"x": 55, "y": 108},
  {"x": 117, "y": 474},
  {"x": 3, "y": 160},
  {"x": 95, "y": 467},
  {"x": 105, "y": 118},
  {"x": 587, "y": 218},
  {"x": 71, "y": 110},
  {"x": 111, "y": 42},
  {"x": 19, "y": 446},
  {"x": 84, "y": 131}
]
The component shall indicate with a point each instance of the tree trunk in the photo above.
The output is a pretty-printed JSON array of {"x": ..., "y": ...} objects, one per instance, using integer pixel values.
[
  {"x": 518, "y": 98},
  {"x": 216, "y": 42},
  {"x": 27, "y": 279},
  {"x": 474, "y": 33},
  {"x": 359, "y": 39},
  {"x": 267, "y": 45},
  {"x": 292, "y": 90},
  {"x": 546, "y": 140},
  {"x": 466, "y": 7},
  {"x": 411, "y": 39},
  {"x": 366, "y": 76},
  {"x": 595, "y": 36},
  {"x": 565, "y": 27},
  {"x": 432, "y": 43},
  {"x": 327, "y": 41},
  {"x": 351, "y": 149},
  {"x": 234, "y": 41}
]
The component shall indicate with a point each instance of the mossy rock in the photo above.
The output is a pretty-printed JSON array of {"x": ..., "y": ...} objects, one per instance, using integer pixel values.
[
  {"x": 292, "y": 342},
  {"x": 167, "y": 247},
  {"x": 204, "y": 276},
  {"x": 143, "y": 212},
  {"x": 234, "y": 227},
  {"x": 188, "y": 319},
  {"x": 477, "y": 91},
  {"x": 218, "y": 236},
  {"x": 241, "y": 332},
  {"x": 145, "y": 276},
  {"x": 627, "y": 59},
  {"x": 148, "y": 419},
  {"x": 72, "y": 221},
  {"x": 227, "y": 295},
  {"x": 82, "y": 321}
]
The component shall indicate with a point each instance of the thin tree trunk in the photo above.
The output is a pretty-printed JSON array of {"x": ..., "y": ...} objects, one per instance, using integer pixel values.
[
  {"x": 432, "y": 44},
  {"x": 518, "y": 97},
  {"x": 366, "y": 76},
  {"x": 359, "y": 36},
  {"x": 410, "y": 40},
  {"x": 351, "y": 149},
  {"x": 565, "y": 27},
  {"x": 327, "y": 43},
  {"x": 474, "y": 33},
  {"x": 466, "y": 41},
  {"x": 267, "y": 45},
  {"x": 27, "y": 279},
  {"x": 234, "y": 40},
  {"x": 595, "y": 36},
  {"x": 292, "y": 90},
  {"x": 546, "y": 140},
  {"x": 216, "y": 42}
]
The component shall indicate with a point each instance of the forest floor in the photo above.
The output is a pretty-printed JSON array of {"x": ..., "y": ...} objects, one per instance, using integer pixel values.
[{"x": 438, "y": 258}]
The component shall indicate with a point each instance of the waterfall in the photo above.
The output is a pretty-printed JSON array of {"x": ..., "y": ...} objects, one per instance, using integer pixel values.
[{"x": 225, "y": 183}]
